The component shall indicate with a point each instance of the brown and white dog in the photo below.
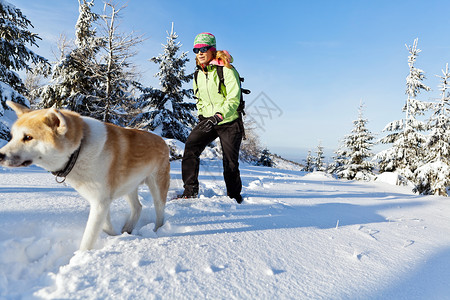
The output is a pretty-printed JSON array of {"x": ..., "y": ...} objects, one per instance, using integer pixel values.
[{"x": 99, "y": 160}]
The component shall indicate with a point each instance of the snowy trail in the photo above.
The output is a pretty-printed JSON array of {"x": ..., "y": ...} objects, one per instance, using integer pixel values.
[{"x": 296, "y": 236}]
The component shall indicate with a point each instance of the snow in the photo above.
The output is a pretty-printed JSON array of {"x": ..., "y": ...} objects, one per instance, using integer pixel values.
[
  {"x": 296, "y": 236},
  {"x": 392, "y": 178}
]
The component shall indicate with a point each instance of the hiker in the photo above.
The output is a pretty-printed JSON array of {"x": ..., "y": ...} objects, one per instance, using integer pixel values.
[{"x": 218, "y": 117}]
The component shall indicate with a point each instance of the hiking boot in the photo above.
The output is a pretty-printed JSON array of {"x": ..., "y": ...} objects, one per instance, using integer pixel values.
[
  {"x": 187, "y": 195},
  {"x": 238, "y": 199}
]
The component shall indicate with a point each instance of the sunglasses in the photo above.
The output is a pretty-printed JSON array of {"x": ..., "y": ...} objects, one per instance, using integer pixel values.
[{"x": 202, "y": 49}]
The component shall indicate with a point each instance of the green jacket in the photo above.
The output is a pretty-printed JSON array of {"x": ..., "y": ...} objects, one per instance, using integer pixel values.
[{"x": 210, "y": 101}]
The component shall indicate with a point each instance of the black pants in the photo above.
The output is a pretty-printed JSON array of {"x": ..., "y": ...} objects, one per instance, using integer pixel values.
[{"x": 230, "y": 135}]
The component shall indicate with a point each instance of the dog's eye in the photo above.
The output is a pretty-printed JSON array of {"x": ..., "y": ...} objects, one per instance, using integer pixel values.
[{"x": 27, "y": 138}]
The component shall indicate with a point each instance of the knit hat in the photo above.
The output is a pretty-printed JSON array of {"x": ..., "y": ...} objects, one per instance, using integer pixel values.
[{"x": 205, "y": 39}]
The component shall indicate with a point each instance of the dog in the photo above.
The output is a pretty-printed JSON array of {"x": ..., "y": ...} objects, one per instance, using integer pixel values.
[{"x": 101, "y": 161}]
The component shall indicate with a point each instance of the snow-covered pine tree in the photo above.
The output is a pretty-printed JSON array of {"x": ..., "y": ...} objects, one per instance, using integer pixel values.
[
  {"x": 438, "y": 141},
  {"x": 434, "y": 176},
  {"x": 339, "y": 159},
  {"x": 359, "y": 150},
  {"x": 265, "y": 159},
  {"x": 164, "y": 110},
  {"x": 73, "y": 84},
  {"x": 319, "y": 160},
  {"x": 309, "y": 163},
  {"x": 14, "y": 56},
  {"x": 407, "y": 137}
]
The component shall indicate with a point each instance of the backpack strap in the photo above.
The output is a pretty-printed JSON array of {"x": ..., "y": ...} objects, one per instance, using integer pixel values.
[
  {"x": 195, "y": 79},
  {"x": 219, "y": 74},
  {"x": 241, "y": 107},
  {"x": 219, "y": 70},
  {"x": 221, "y": 79}
]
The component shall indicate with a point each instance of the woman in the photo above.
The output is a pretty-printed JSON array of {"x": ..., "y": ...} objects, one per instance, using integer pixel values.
[{"x": 217, "y": 112}]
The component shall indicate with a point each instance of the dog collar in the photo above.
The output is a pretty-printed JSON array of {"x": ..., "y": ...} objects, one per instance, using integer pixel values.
[{"x": 68, "y": 168}]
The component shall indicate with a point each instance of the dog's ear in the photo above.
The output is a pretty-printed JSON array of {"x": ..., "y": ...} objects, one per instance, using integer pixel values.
[
  {"x": 18, "y": 108},
  {"x": 56, "y": 120}
]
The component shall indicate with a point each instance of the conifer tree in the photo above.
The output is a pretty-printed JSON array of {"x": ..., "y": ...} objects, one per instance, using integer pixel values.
[
  {"x": 309, "y": 163},
  {"x": 73, "y": 84},
  {"x": 407, "y": 137},
  {"x": 15, "y": 37},
  {"x": 319, "y": 160},
  {"x": 164, "y": 110},
  {"x": 438, "y": 141},
  {"x": 434, "y": 176},
  {"x": 339, "y": 160},
  {"x": 265, "y": 159},
  {"x": 358, "y": 145}
]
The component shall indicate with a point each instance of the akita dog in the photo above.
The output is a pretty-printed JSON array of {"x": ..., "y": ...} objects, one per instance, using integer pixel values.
[{"x": 99, "y": 160}]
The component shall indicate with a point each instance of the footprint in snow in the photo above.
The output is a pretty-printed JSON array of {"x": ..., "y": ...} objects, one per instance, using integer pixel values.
[
  {"x": 178, "y": 269},
  {"x": 408, "y": 243},
  {"x": 369, "y": 231},
  {"x": 358, "y": 255},
  {"x": 273, "y": 272},
  {"x": 214, "y": 269}
]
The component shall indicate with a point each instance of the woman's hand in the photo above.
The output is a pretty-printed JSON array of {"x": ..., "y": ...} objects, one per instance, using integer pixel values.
[{"x": 208, "y": 124}]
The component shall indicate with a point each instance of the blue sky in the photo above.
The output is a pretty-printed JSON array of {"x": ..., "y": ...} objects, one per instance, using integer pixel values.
[{"x": 310, "y": 62}]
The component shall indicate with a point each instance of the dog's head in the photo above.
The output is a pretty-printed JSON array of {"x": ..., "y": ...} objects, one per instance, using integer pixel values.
[{"x": 38, "y": 137}]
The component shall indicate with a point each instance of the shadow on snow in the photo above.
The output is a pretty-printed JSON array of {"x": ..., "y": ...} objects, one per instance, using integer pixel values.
[
  {"x": 254, "y": 217},
  {"x": 429, "y": 280}
]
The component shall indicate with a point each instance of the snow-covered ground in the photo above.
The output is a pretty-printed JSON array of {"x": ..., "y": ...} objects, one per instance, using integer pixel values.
[{"x": 296, "y": 236}]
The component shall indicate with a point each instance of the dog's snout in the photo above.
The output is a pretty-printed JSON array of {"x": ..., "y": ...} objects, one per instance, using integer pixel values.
[{"x": 2, "y": 156}]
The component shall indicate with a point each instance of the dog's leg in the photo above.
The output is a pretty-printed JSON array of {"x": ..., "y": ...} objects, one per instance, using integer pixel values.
[
  {"x": 107, "y": 226},
  {"x": 156, "y": 195},
  {"x": 97, "y": 216},
  {"x": 158, "y": 184},
  {"x": 136, "y": 207}
]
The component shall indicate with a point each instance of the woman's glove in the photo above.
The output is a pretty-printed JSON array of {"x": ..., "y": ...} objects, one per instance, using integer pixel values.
[{"x": 208, "y": 124}]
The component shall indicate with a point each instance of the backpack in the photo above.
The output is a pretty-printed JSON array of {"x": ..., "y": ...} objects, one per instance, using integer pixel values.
[{"x": 241, "y": 106}]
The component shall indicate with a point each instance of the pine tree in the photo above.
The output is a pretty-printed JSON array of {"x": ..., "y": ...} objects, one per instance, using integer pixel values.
[
  {"x": 74, "y": 85},
  {"x": 265, "y": 159},
  {"x": 14, "y": 56},
  {"x": 319, "y": 160},
  {"x": 358, "y": 145},
  {"x": 438, "y": 141},
  {"x": 309, "y": 163},
  {"x": 339, "y": 160},
  {"x": 434, "y": 176},
  {"x": 164, "y": 110},
  {"x": 407, "y": 139}
]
